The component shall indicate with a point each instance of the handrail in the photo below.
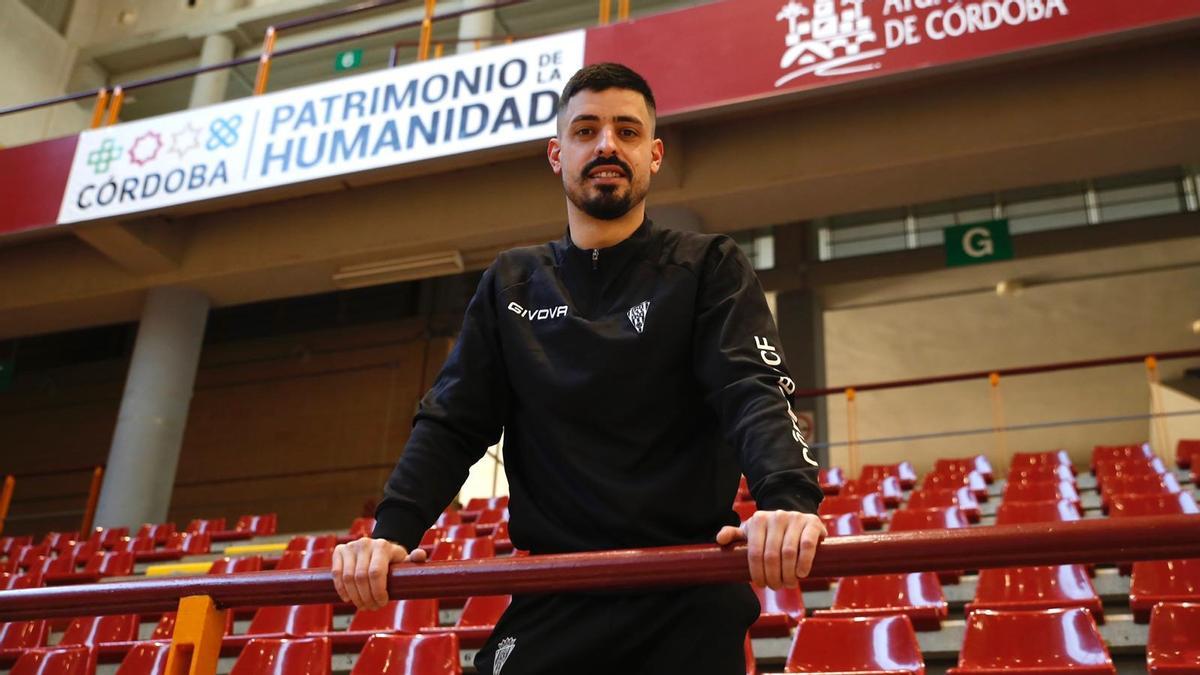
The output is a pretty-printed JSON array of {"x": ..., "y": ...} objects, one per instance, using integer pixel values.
[
  {"x": 1003, "y": 372},
  {"x": 1078, "y": 542},
  {"x": 245, "y": 60},
  {"x": 88, "y": 512}
]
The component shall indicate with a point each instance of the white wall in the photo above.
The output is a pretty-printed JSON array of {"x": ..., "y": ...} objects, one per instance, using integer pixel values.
[
  {"x": 1084, "y": 318},
  {"x": 37, "y": 63}
]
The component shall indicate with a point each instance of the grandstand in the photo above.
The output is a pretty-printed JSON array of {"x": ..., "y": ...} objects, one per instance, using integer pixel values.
[{"x": 238, "y": 238}]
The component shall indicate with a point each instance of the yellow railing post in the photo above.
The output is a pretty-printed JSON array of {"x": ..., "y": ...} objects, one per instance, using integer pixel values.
[
  {"x": 999, "y": 428},
  {"x": 114, "y": 109},
  {"x": 98, "y": 110},
  {"x": 6, "y": 498},
  {"x": 426, "y": 31},
  {"x": 1156, "y": 409},
  {"x": 89, "y": 512},
  {"x": 437, "y": 50},
  {"x": 852, "y": 430},
  {"x": 264, "y": 62},
  {"x": 605, "y": 12},
  {"x": 196, "y": 643},
  {"x": 623, "y": 10}
]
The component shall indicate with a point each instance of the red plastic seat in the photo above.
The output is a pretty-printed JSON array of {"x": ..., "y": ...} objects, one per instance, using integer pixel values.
[
  {"x": 362, "y": 527},
  {"x": 10, "y": 543},
  {"x": 869, "y": 508},
  {"x": 917, "y": 595},
  {"x": 486, "y": 503},
  {"x": 110, "y": 564},
  {"x": 424, "y": 654},
  {"x": 961, "y": 497},
  {"x": 780, "y": 610},
  {"x": 72, "y": 660},
  {"x": 1036, "y": 588},
  {"x": 17, "y": 635},
  {"x": 1158, "y": 581},
  {"x": 1047, "y": 642},
  {"x": 251, "y": 563},
  {"x": 903, "y": 471},
  {"x": 293, "y": 621},
  {"x": 743, "y": 492},
  {"x": 1050, "y": 511},
  {"x": 260, "y": 525},
  {"x": 108, "y": 537},
  {"x": 206, "y": 525},
  {"x": 1185, "y": 452},
  {"x": 1024, "y": 460},
  {"x": 464, "y": 549},
  {"x": 1152, "y": 505},
  {"x": 966, "y": 465},
  {"x": 745, "y": 509},
  {"x": 936, "y": 518},
  {"x": 843, "y": 525},
  {"x": 159, "y": 533},
  {"x": 1042, "y": 473},
  {"x": 304, "y": 560},
  {"x": 971, "y": 479},
  {"x": 1104, "y": 453},
  {"x": 1172, "y": 646},
  {"x": 406, "y": 616},
  {"x": 449, "y": 518},
  {"x": 190, "y": 543},
  {"x": 478, "y": 618},
  {"x": 313, "y": 543},
  {"x": 94, "y": 630},
  {"x": 831, "y": 480},
  {"x": 888, "y": 487},
  {"x": 490, "y": 517},
  {"x": 294, "y": 656},
  {"x": 1146, "y": 484},
  {"x": 145, "y": 658},
  {"x": 1040, "y": 492},
  {"x": 884, "y": 644},
  {"x": 165, "y": 628}
]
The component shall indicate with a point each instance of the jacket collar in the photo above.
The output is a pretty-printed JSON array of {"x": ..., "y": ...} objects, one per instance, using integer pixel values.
[{"x": 635, "y": 241}]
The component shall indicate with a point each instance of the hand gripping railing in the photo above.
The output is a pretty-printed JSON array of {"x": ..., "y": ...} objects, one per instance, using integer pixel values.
[{"x": 1086, "y": 541}]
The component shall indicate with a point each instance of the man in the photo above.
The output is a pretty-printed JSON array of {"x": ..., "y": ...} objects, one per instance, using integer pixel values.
[{"x": 635, "y": 372}]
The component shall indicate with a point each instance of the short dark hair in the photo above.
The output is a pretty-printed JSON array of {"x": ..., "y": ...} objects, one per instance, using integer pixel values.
[{"x": 602, "y": 76}]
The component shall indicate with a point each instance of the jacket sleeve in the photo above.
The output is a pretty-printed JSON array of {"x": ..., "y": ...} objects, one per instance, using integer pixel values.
[
  {"x": 740, "y": 365},
  {"x": 458, "y": 419}
]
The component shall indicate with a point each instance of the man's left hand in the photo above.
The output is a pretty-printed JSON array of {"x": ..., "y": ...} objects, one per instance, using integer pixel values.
[{"x": 780, "y": 545}]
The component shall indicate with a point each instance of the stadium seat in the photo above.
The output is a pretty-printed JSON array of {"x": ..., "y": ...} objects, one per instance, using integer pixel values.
[
  {"x": 313, "y": 543},
  {"x": 464, "y": 549},
  {"x": 966, "y": 465},
  {"x": 260, "y": 525},
  {"x": 1104, "y": 453},
  {"x": 250, "y": 563},
  {"x": 108, "y": 537},
  {"x": 362, "y": 527},
  {"x": 57, "y": 541},
  {"x": 489, "y": 518},
  {"x": 1152, "y": 505},
  {"x": 1158, "y": 581},
  {"x": 843, "y": 525},
  {"x": 903, "y": 471},
  {"x": 165, "y": 627},
  {"x": 1185, "y": 452},
  {"x": 304, "y": 560},
  {"x": 1050, "y": 511},
  {"x": 934, "y": 518},
  {"x": 971, "y": 479},
  {"x": 1044, "y": 473},
  {"x": 206, "y": 525},
  {"x": 744, "y": 510},
  {"x": 1173, "y": 646},
  {"x": 869, "y": 508},
  {"x": 189, "y": 543},
  {"x": 10, "y": 543},
  {"x": 831, "y": 480},
  {"x": 1027, "y": 460},
  {"x": 449, "y": 518},
  {"x": 961, "y": 497},
  {"x": 104, "y": 564},
  {"x": 292, "y": 621},
  {"x": 67, "y": 660},
  {"x": 94, "y": 630},
  {"x": 424, "y": 654},
  {"x": 743, "y": 493},
  {"x": 1040, "y": 492},
  {"x": 486, "y": 503},
  {"x": 478, "y": 618},
  {"x": 917, "y": 595},
  {"x": 146, "y": 658},
  {"x": 294, "y": 656},
  {"x": 1046, "y": 642},
  {"x": 779, "y": 611},
  {"x": 159, "y": 533},
  {"x": 1036, "y": 588},
  {"x": 406, "y": 616},
  {"x": 18, "y": 635},
  {"x": 1146, "y": 484},
  {"x": 884, "y": 644},
  {"x": 888, "y": 487}
]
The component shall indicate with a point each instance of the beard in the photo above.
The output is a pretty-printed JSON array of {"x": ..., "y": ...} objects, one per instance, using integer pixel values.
[{"x": 605, "y": 202}]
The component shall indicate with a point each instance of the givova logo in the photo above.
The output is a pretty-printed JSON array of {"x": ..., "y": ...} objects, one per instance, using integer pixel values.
[{"x": 538, "y": 314}]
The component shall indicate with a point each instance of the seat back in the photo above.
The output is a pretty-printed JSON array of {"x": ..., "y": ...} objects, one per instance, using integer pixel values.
[
  {"x": 260, "y": 525},
  {"x": 296, "y": 620},
  {"x": 251, "y": 563},
  {"x": 304, "y": 560},
  {"x": 786, "y": 602},
  {"x": 94, "y": 630},
  {"x": 290, "y": 656},
  {"x": 159, "y": 532},
  {"x": 936, "y": 518},
  {"x": 886, "y": 643},
  {"x": 408, "y": 616},
  {"x": 23, "y": 634},
  {"x": 146, "y": 658},
  {"x": 111, "y": 564},
  {"x": 483, "y": 610},
  {"x": 464, "y": 549},
  {"x": 362, "y": 527},
  {"x": 318, "y": 542},
  {"x": 1186, "y": 451},
  {"x": 73, "y": 660},
  {"x": 1052, "y": 638},
  {"x": 206, "y": 525},
  {"x": 1152, "y": 505},
  {"x": 424, "y": 654},
  {"x": 1046, "y": 511},
  {"x": 843, "y": 524},
  {"x": 1172, "y": 642}
]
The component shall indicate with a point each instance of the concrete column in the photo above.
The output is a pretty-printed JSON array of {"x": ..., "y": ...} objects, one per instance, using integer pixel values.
[
  {"x": 210, "y": 87},
  {"x": 475, "y": 24},
  {"x": 154, "y": 409}
]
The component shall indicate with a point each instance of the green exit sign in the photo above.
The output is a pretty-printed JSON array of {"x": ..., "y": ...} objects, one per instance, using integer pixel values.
[
  {"x": 347, "y": 60},
  {"x": 6, "y": 375},
  {"x": 978, "y": 243}
]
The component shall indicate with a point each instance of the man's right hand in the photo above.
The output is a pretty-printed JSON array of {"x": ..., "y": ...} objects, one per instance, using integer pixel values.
[{"x": 360, "y": 570}]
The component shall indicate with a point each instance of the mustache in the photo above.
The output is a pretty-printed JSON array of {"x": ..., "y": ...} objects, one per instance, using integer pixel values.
[{"x": 606, "y": 161}]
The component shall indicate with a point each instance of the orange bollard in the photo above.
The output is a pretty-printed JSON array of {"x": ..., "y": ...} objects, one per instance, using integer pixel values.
[
  {"x": 6, "y": 499},
  {"x": 426, "y": 31},
  {"x": 264, "y": 62},
  {"x": 196, "y": 644},
  {"x": 852, "y": 429},
  {"x": 114, "y": 109},
  {"x": 98, "y": 110},
  {"x": 999, "y": 428},
  {"x": 605, "y": 12},
  {"x": 89, "y": 512},
  {"x": 623, "y": 10}
]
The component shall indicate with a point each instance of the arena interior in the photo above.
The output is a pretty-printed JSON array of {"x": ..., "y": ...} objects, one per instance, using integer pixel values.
[{"x": 238, "y": 237}]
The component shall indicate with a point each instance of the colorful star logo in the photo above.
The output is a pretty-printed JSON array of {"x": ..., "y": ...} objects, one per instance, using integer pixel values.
[
  {"x": 102, "y": 157},
  {"x": 185, "y": 140},
  {"x": 145, "y": 148}
]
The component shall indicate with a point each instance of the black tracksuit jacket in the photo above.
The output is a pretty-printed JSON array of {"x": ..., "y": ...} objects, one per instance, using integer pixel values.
[{"x": 632, "y": 383}]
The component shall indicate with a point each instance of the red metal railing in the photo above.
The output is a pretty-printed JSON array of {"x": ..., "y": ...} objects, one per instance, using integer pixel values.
[
  {"x": 1087, "y": 541},
  {"x": 89, "y": 510}
]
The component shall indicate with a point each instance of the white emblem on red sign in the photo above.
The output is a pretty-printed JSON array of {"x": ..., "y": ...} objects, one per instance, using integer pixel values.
[{"x": 827, "y": 40}]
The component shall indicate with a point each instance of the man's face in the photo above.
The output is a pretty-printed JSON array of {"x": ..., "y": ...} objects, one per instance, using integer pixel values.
[{"x": 606, "y": 151}]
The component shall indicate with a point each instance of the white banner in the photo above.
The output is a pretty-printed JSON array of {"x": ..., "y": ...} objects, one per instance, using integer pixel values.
[{"x": 485, "y": 99}]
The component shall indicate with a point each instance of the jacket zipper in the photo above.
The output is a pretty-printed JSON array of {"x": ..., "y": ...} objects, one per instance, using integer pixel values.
[{"x": 595, "y": 258}]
